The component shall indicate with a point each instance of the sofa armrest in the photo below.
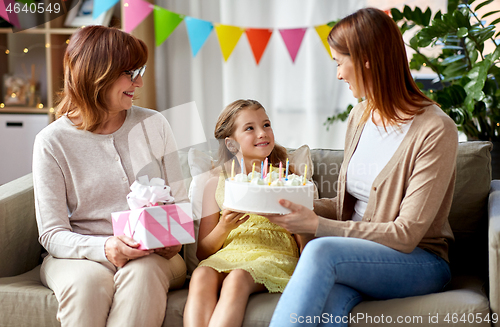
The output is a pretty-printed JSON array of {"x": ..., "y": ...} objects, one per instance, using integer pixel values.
[
  {"x": 19, "y": 247},
  {"x": 494, "y": 246}
]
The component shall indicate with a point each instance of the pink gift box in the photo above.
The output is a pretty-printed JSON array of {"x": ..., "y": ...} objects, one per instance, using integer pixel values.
[{"x": 156, "y": 227}]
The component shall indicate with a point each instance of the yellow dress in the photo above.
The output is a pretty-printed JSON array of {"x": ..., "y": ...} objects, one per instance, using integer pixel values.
[{"x": 265, "y": 250}]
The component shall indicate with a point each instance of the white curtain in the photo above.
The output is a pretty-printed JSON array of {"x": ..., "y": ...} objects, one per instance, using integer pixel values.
[{"x": 297, "y": 96}]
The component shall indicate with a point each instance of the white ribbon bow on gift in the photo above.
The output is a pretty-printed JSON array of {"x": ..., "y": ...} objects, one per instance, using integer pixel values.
[{"x": 146, "y": 193}]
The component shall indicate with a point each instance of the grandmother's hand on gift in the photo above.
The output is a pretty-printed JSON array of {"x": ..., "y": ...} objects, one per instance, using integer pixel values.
[
  {"x": 121, "y": 249},
  {"x": 300, "y": 221},
  {"x": 168, "y": 252}
]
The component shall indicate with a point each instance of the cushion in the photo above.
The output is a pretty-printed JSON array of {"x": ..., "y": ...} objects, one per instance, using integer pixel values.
[
  {"x": 200, "y": 165},
  {"x": 24, "y": 301},
  {"x": 19, "y": 247},
  {"x": 468, "y": 214},
  {"x": 326, "y": 170},
  {"x": 299, "y": 158}
]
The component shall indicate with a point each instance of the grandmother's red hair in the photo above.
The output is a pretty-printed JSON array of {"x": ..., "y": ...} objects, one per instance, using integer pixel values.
[{"x": 95, "y": 58}]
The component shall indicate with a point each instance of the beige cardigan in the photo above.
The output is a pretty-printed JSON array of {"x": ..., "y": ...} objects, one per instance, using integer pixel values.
[{"x": 411, "y": 198}]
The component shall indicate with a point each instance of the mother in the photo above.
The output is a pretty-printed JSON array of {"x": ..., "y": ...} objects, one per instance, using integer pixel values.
[
  {"x": 83, "y": 166},
  {"x": 386, "y": 234}
]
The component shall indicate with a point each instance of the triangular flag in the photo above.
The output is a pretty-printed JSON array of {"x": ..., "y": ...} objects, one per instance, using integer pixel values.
[
  {"x": 323, "y": 31},
  {"x": 3, "y": 12},
  {"x": 293, "y": 39},
  {"x": 228, "y": 38},
  {"x": 198, "y": 32},
  {"x": 9, "y": 17},
  {"x": 101, "y": 6},
  {"x": 135, "y": 11},
  {"x": 165, "y": 23},
  {"x": 258, "y": 39}
]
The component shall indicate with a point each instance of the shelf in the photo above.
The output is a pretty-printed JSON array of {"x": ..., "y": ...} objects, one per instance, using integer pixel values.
[
  {"x": 65, "y": 31},
  {"x": 34, "y": 30},
  {"x": 24, "y": 110}
]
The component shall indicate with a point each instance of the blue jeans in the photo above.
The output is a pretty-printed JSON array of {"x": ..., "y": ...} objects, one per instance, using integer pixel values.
[{"x": 335, "y": 273}]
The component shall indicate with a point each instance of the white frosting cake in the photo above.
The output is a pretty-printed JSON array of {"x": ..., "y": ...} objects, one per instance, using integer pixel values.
[{"x": 257, "y": 196}]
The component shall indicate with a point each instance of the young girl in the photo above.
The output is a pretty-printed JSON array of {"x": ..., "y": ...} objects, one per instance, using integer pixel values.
[{"x": 242, "y": 253}]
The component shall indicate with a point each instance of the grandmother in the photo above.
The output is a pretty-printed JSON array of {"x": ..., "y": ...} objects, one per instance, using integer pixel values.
[{"x": 83, "y": 166}]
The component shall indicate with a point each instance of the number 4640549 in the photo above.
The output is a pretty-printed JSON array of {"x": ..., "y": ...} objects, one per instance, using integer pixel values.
[{"x": 33, "y": 8}]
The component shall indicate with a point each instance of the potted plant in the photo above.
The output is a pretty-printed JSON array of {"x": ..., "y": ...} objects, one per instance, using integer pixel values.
[{"x": 467, "y": 76}]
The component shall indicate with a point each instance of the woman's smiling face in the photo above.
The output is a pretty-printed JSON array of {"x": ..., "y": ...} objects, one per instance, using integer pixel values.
[
  {"x": 120, "y": 94},
  {"x": 345, "y": 71}
]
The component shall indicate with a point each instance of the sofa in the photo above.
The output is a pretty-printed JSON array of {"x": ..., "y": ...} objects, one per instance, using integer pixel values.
[{"x": 472, "y": 298}]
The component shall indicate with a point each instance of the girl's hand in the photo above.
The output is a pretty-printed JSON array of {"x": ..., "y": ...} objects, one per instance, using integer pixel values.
[
  {"x": 300, "y": 221},
  {"x": 230, "y": 219},
  {"x": 168, "y": 252},
  {"x": 121, "y": 249}
]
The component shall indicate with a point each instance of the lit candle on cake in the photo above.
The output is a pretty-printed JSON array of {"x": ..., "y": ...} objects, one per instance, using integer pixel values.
[
  {"x": 242, "y": 167},
  {"x": 286, "y": 170},
  {"x": 265, "y": 168},
  {"x": 281, "y": 170},
  {"x": 253, "y": 169},
  {"x": 261, "y": 170},
  {"x": 305, "y": 174},
  {"x": 232, "y": 171},
  {"x": 270, "y": 174}
]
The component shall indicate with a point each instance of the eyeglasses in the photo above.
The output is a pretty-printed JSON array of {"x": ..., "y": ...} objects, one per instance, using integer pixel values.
[{"x": 134, "y": 74}]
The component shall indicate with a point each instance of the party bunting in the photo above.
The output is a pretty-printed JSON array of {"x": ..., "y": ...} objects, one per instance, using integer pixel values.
[
  {"x": 198, "y": 32},
  {"x": 101, "y": 6},
  {"x": 258, "y": 39},
  {"x": 323, "y": 31},
  {"x": 9, "y": 17},
  {"x": 165, "y": 23},
  {"x": 293, "y": 40},
  {"x": 135, "y": 11},
  {"x": 3, "y": 12},
  {"x": 228, "y": 38}
]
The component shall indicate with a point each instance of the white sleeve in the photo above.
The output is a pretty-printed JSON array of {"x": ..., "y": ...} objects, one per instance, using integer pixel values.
[{"x": 56, "y": 234}]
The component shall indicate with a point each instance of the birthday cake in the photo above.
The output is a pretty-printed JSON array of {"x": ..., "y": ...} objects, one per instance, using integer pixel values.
[{"x": 256, "y": 195}]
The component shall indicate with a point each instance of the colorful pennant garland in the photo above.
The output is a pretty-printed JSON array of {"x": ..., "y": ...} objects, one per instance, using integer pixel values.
[
  {"x": 135, "y": 12},
  {"x": 199, "y": 30},
  {"x": 228, "y": 38},
  {"x": 258, "y": 39},
  {"x": 165, "y": 23},
  {"x": 101, "y": 6},
  {"x": 293, "y": 39},
  {"x": 323, "y": 31},
  {"x": 10, "y": 17}
]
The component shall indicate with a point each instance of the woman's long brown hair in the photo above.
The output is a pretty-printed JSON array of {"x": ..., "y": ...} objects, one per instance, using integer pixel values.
[{"x": 370, "y": 36}]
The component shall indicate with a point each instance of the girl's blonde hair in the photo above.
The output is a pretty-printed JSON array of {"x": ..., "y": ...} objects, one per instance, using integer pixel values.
[{"x": 225, "y": 127}]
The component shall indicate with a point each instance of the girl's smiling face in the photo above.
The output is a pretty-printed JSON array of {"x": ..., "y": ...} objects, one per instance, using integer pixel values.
[
  {"x": 254, "y": 134},
  {"x": 345, "y": 71}
]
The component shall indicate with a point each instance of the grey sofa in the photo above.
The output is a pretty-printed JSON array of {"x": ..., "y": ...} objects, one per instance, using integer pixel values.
[{"x": 471, "y": 299}]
